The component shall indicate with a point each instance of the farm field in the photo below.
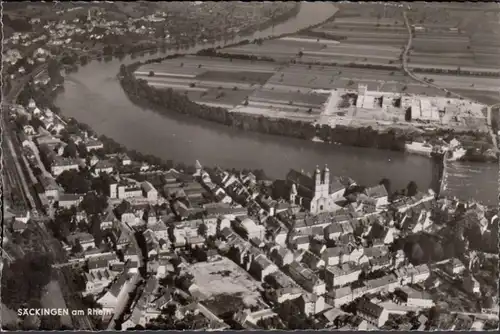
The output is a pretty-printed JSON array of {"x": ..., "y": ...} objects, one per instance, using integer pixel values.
[
  {"x": 215, "y": 280},
  {"x": 461, "y": 35},
  {"x": 368, "y": 34}
]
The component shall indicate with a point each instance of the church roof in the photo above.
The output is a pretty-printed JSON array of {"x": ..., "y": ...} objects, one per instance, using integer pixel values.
[{"x": 300, "y": 179}]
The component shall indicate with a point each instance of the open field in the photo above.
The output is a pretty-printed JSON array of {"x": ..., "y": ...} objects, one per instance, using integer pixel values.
[
  {"x": 462, "y": 35},
  {"x": 308, "y": 92},
  {"x": 216, "y": 280},
  {"x": 312, "y": 70}
]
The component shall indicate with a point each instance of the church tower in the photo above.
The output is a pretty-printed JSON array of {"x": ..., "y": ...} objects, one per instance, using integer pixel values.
[
  {"x": 326, "y": 181},
  {"x": 317, "y": 182}
]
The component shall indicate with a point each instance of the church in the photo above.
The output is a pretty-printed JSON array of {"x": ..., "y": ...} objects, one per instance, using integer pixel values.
[{"x": 317, "y": 193}]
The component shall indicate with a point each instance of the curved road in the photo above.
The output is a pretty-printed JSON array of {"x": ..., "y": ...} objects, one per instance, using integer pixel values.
[{"x": 414, "y": 77}]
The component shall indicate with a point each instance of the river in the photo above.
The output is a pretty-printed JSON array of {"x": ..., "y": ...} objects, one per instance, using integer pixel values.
[{"x": 93, "y": 96}]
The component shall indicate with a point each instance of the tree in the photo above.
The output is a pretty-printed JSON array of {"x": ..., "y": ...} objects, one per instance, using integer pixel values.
[
  {"x": 82, "y": 150},
  {"x": 387, "y": 184},
  {"x": 95, "y": 229},
  {"x": 411, "y": 189},
  {"x": 74, "y": 182},
  {"x": 25, "y": 278},
  {"x": 202, "y": 229},
  {"x": 417, "y": 254},
  {"x": 70, "y": 150},
  {"x": 94, "y": 204}
]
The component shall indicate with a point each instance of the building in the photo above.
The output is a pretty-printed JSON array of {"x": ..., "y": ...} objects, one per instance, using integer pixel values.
[
  {"x": 414, "y": 297},
  {"x": 124, "y": 189},
  {"x": 149, "y": 191},
  {"x": 340, "y": 275},
  {"x": 379, "y": 194},
  {"x": 103, "y": 166},
  {"x": 64, "y": 164},
  {"x": 110, "y": 299},
  {"x": 68, "y": 200},
  {"x": 306, "y": 278},
  {"x": 97, "y": 281},
  {"x": 251, "y": 229},
  {"x": 312, "y": 304},
  {"x": 93, "y": 144},
  {"x": 86, "y": 240},
  {"x": 340, "y": 296},
  {"x": 281, "y": 256},
  {"x": 263, "y": 267},
  {"x": 455, "y": 266},
  {"x": 318, "y": 193},
  {"x": 372, "y": 313}
]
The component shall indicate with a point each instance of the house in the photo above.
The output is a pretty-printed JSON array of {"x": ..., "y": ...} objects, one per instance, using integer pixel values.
[
  {"x": 68, "y": 200},
  {"x": 302, "y": 242},
  {"x": 20, "y": 214},
  {"x": 333, "y": 256},
  {"x": 455, "y": 266},
  {"x": 317, "y": 193},
  {"x": 372, "y": 313},
  {"x": 251, "y": 229},
  {"x": 110, "y": 299},
  {"x": 97, "y": 281},
  {"x": 103, "y": 166},
  {"x": 101, "y": 262},
  {"x": 246, "y": 317},
  {"x": 380, "y": 262},
  {"x": 263, "y": 267},
  {"x": 311, "y": 260},
  {"x": 130, "y": 254},
  {"x": 312, "y": 304},
  {"x": 281, "y": 256},
  {"x": 64, "y": 164},
  {"x": 343, "y": 274},
  {"x": 379, "y": 194},
  {"x": 340, "y": 296},
  {"x": 149, "y": 191},
  {"x": 125, "y": 160},
  {"x": 50, "y": 187},
  {"x": 86, "y": 240},
  {"x": 415, "y": 298},
  {"x": 333, "y": 231},
  {"x": 93, "y": 144},
  {"x": 109, "y": 220},
  {"x": 306, "y": 278}
]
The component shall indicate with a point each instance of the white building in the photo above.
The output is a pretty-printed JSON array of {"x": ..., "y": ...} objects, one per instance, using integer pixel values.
[
  {"x": 149, "y": 191},
  {"x": 336, "y": 276},
  {"x": 318, "y": 193}
]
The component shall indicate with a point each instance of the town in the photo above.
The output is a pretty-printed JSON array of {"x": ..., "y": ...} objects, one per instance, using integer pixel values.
[
  {"x": 122, "y": 240},
  {"x": 211, "y": 248}
]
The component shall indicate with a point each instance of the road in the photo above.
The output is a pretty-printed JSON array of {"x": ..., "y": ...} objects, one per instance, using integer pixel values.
[{"x": 429, "y": 84}]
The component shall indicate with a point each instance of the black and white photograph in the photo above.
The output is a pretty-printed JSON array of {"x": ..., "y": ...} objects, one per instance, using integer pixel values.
[{"x": 250, "y": 165}]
